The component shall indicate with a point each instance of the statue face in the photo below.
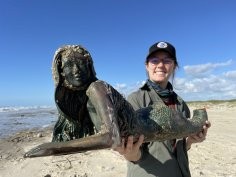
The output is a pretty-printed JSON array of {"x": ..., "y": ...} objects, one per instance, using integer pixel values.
[{"x": 76, "y": 71}]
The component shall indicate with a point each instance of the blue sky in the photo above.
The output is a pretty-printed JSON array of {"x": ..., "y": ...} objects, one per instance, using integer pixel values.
[{"x": 118, "y": 35}]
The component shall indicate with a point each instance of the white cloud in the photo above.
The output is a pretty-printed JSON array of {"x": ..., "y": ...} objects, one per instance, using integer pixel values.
[
  {"x": 230, "y": 74},
  {"x": 202, "y": 69},
  {"x": 120, "y": 86},
  {"x": 127, "y": 89},
  {"x": 209, "y": 86},
  {"x": 201, "y": 82},
  {"x": 215, "y": 87}
]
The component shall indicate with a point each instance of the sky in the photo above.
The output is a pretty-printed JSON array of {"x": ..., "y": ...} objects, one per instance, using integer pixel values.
[{"x": 118, "y": 35}]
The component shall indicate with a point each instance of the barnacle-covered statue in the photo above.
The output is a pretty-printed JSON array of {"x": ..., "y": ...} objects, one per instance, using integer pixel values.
[
  {"x": 73, "y": 72},
  {"x": 93, "y": 115}
]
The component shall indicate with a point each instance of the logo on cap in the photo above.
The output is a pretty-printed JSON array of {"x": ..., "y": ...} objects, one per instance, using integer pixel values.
[{"x": 162, "y": 45}]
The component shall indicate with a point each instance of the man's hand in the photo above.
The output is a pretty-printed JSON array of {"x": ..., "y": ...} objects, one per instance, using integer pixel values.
[
  {"x": 131, "y": 151},
  {"x": 199, "y": 137}
]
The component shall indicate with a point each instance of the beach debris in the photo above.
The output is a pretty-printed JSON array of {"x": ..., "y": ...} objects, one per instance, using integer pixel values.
[{"x": 39, "y": 135}]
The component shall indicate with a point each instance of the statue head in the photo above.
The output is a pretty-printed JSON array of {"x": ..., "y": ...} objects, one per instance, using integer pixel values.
[{"x": 73, "y": 67}]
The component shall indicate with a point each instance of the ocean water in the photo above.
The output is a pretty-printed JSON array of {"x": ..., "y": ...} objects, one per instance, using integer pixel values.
[{"x": 15, "y": 119}]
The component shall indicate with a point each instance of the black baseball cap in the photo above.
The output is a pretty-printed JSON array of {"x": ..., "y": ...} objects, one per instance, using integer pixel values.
[{"x": 162, "y": 46}]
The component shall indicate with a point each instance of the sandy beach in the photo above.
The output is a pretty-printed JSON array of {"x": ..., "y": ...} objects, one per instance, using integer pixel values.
[{"x": 215, "y": 157}]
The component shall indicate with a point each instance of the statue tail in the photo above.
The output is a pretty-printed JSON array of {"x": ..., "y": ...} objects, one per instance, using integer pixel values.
[{"x": 171, "y": 124}]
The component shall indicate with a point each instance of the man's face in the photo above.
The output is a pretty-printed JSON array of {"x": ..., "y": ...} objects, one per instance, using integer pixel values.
[{"x": 76, "y": 71}]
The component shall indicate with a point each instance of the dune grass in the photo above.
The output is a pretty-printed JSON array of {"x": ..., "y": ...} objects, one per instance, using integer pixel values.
[{"x": 213, "y": 101}]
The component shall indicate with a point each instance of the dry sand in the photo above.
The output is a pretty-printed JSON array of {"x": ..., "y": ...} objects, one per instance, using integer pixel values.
[{"x": 215, "y": 157}]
